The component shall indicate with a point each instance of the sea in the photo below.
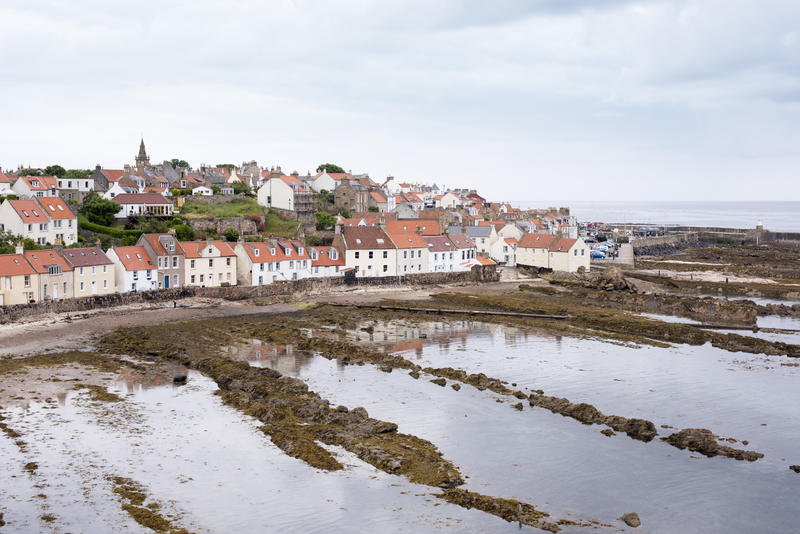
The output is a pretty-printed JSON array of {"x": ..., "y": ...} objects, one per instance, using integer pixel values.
[{"x": 776, "y": 216}]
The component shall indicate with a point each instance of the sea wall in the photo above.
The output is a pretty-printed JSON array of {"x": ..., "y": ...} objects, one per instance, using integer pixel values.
[
  {"x": 284, "y": 288},
  {"x": 661, "y": 245}
]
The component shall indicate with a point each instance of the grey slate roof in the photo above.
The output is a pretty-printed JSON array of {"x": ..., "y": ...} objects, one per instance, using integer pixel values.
[{"x": 471, "y": 231}]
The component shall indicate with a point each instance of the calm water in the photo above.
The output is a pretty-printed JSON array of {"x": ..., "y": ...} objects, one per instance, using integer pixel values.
[
  {"x": 570, "y": 469},
  {"x": 776, "y": 216}
]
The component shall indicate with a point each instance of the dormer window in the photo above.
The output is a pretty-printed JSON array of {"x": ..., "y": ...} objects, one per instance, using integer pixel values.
[
  {"x": 273, "y": 251},
  {"x": 334, "y": 254},
  {"x": 300, "y": 250},
  {"x": 379, "y": 241},
  {"x": 256, "y": 252}
]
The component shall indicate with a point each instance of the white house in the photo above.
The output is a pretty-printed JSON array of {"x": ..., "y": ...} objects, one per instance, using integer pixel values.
[
  {"x": 448, "y": 201},
  {"x": 202, "y": 190},
  {"x": 257, "y": 263},
  {"x": 143, "y": 205},
  {"x": 209, "y": 263},
  {"x": 6, "y": 181},
  {"x": 569, "y": 255},
  {"x": 510, "y": 230},
  {"x": 466, "y": 253},
  {"x": 63, "y": 226},
  {"x": 368, "y": 251},
  {"x": 484, "y": 236},
  {"x": 115, "y": 189},
  {"x": 412, "y": 253},
  {"x": 84, "y": 185},
  {"x": 133, "y": 269},
  {"x": 36, "y": 186},
  {"x": 441, "y": 253},
  {"x": 328, "y": 181},
  {"x": 285, "y": 193},
  {"x": 326, "y": 262},
  {"x": 505, "y": 251},
  {"x": 533, "y": 250},
  {"x": 25, "y": 218}
]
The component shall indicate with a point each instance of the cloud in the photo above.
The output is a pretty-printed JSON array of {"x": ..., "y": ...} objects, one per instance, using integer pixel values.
[{"x": 459, "y": 91}]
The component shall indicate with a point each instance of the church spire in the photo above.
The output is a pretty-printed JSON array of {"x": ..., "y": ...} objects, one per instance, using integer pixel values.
[{"x": 142, "y": 160}]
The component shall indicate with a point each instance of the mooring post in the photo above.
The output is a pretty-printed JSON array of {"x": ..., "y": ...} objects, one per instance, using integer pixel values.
[{"x": 519, "y": 515}]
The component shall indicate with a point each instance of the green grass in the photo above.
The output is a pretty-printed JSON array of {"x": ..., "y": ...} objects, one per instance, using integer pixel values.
[
  {"x": 274, "y": 225},
  {"x": 226, "y": 210}
]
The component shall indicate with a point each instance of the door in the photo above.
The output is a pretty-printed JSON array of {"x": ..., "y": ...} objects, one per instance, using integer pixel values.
[
  {"x": 94, "y": 287},
  {"x": 166, "y": 282},
  {"x": 55, "y": 291}
]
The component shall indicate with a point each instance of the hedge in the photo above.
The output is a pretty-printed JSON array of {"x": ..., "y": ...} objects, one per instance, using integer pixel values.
[{"x": 84, "y": 223}]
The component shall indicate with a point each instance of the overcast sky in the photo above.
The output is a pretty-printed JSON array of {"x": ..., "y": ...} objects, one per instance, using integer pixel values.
[{"x": 522, "y": 99}]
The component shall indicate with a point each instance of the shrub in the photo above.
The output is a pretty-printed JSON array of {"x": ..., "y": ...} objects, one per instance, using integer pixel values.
[{"x": 231, "y": 234}]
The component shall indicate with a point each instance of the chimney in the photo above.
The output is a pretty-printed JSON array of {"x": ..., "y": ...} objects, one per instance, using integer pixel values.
[
  {"x": 59, "y": 246},
  {"x": 97, "y": 167},
  {"x": 172, "y": 232},
  {"x": 19, "y": 249}
]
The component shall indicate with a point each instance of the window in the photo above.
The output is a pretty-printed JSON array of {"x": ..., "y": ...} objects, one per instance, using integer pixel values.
[
  {"x": 80, "y": 271},
  {"x": 105, "y": 284},
  {"x": 65, "y": 289},
  {"x": 174, "y": 262},
  {"x": 191, "y": 264},
  {"x": 27, "y": 280},
  {"x": 210, "y": 262},
  {"x": 386, "y": 254},
  {"x": 104, "y": 268},
  {"x": 405, "y": 254},
  {"x": 192, "y": 279},
  {"x": 385, "y": 268},
  {"x": 370, "y": 254},
  {"x": 81, "y": 286},
  {"x": 356, "y": 254},
  {"x": 174, "y": 280},
  {"x": 228, "y": 262},
  {"x": 201, "y": 278}
]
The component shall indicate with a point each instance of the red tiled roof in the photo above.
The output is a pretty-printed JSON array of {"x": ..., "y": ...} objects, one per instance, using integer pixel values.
[
  {"x": 141, "y": 198},
  {"x": 562, "y": 245},
  {"x": 112, "y": 175},
  {"x": 378, "y": 197},
  {"x": 485, "y": 261},
  {"x": 427, "y": 226},
  {"x": 408, "y": 240},
  {"x": 85, "y": 257},
  {"x": 324, "y": 258},
  {"x": 29, "y": 211},
  {"x": 265, "y": 254},
  {"x": 134, "y": 258},
  {"x": 461, "y": 240},
  {"x": 155, "y": 242},
  {"x": 56, "y": 208},
  {"x": 536, "y": 241},
  {"x": 43, "y": 183},
  {"x": 14, "y": 265},
  {"x": 366, "y": 238},
  {"x": 193, "y": 248},
  {"x": 439, "y": 243},
  {"x": 40, "y": 259},
  {"x": 6, "y": 178}
]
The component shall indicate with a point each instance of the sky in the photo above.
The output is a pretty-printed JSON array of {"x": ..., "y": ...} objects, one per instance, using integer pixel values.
[{"x": 521, "y": 99}]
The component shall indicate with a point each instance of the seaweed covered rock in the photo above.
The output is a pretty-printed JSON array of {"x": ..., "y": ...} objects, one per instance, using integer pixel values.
[{"x": 706, "y": 443}]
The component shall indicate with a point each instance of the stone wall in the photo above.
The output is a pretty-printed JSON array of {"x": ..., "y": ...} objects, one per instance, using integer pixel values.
[
  {"x": 242, "y": 225},
  {"x": 214, "y": 199},
  {"x": 284, "y": 288}
]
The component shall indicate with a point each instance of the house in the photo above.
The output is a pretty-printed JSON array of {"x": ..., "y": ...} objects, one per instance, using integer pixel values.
[
  {"x": 74, "y": 188},
  {"x": 351, "y": 196},
  {"x": 328, "y": 181},
  {"x": 209, "y": 263},
  {"x": 169, "y": 257},
  {"x": 423, "y": 226},
  {"x": 533, "y": 250},
  {"x": 143, "y": 205},
  {"x": 92, "y": 271},
  {"x": 484, "y": 237},
  {"x": 103, "y": 179},
  {"x": 297, "y": 261},
  {"x": 25, "y": 218},
  {"x": 509, "y": 230},
  {"x": 36, "y": 186},
  {"x": 6, "y": 181},
  {"x": 569, "y": 255},
  {"x": 55, "y": 274},
  {"x": 466, "y": 253},
  {"x": 412, "y": 252},
  {"x": 19, "y": 281},
  {"x": 505, "y": 251},
  {"x": 441, "y": 253},
  {"x": 287, "y": 193},
  {"x": 121, "y": 187},
  {"x": 546, "y": 251},
  {"x": 449, "y": 201},
  {"x": 258, "y": 263},
  {"x": 133, "y": 269},
  {"x": 379, "y": 200},
  {"x": 326, "y": 262},
  {"x": 368, "y": 251},
  {"x": 202, "y": 190},
  {"x": 63, "y": 227}
]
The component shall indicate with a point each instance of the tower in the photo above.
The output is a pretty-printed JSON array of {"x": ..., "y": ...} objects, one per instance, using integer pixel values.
[{"x": 142, "y": 160}]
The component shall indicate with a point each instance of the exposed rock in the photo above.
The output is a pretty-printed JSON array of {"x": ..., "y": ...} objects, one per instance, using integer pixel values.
[
  {"x": 608, "y": 432},
  {"x": 517, "y": 406},
  {"x": 456, "y": 386},
  {"x": 414, "y": 374},
  {"x": 705, "y": 442},
  {"x": 795, "y": 468},
  {"x": 509, "y": 509},
  {"x": 439, "y": 382},
  {"x": 631, "y": 519}
]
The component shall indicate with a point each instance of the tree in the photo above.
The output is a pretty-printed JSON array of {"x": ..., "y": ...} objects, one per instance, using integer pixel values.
[
  {"x": 55, "y": 170},
  {"x": 175, "y": 162},
  {"x": 99, "y": 210},
  {"x": 344, "y": 212},
  {"x": 77, "y": 174},
  {"x": 330, "y": 167},
  {"x": 231, "y": 234},
  {"x": 327, "y": 197},
  {"x": 373, "y": 209},
  {"x": 184, "y": 232},
  {"x": 241, "y": 188},
  {"x": 29, "y": 172},
  {"x": 325, "y": 220},
  {"x": 230, "y": 166},
  {"x": 215, "y": 189}
]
